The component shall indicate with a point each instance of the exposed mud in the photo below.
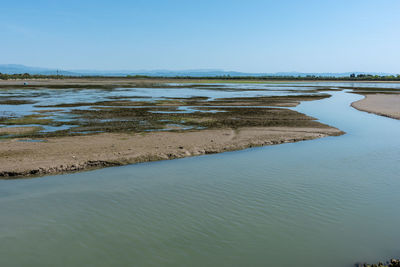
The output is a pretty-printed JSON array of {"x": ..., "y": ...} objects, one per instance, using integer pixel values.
[
  {"x": 387, "y": 105},
  {"x": 69, "y": 154}
]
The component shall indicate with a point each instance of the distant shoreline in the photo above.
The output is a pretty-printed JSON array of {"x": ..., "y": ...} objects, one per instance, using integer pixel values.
[
  {"x": 223, "y": 78},
  {"x": 129, "y": 81}
]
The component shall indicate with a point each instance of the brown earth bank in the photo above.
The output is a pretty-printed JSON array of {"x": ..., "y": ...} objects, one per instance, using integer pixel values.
[
  {"x": 381, "y": 104},
  {"x": 53, "y": 155}
]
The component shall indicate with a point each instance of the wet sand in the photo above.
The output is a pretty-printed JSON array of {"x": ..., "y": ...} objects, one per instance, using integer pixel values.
[
  {"x": 382, "y": 104},
  {"x": 18, "y": 130},
  {"x": 67, "y": 154}
]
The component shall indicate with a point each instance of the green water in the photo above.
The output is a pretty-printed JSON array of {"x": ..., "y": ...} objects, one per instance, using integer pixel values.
[{"x": 327, "y": 202}]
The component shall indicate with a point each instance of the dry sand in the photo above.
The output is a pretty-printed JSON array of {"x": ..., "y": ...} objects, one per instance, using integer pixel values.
[
  {"x": 382, "y": 104},
  {"x": 66, "y": 154}
]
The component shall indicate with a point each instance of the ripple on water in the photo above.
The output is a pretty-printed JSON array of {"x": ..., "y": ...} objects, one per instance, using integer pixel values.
[{"x": 333, "y": 201}]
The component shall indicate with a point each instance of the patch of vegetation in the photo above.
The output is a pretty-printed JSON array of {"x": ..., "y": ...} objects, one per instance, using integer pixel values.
[
  {"x": 126, "y": 116},
  {"x": 15, "y": 102},
  {"x": 104, "y": 103},
  {"x": 129, "y": 97},
  {"x": 288, "y": 101},
  {"x": 26, "y": 120},
  {"x": 193, "y": 98},
  {"x": 142, "y": 119},
  {"x": 291, "y": 100}
]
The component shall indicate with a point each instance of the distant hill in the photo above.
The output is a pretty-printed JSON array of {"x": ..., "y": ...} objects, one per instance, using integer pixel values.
[{"x": 20, "y": 69}]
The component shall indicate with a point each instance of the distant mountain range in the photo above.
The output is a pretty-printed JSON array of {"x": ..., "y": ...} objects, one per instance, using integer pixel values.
[{"x": 20, "y": 69}]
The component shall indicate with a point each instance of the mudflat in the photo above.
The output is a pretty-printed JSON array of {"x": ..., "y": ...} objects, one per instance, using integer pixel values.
[
  {"x": 382, "y": 104},
  {"x": 18, "y": 130},
  {"x": 58, "y": 126},
  {"x": 75, "y": 153}
]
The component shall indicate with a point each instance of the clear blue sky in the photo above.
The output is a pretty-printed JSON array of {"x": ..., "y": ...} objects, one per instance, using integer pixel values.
[{"x": 251, "y": 36}]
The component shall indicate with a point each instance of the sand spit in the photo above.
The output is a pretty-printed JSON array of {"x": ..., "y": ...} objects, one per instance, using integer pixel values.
[
  {"x": 67, "y": 154},
  {"x": 382, "y": 104}
]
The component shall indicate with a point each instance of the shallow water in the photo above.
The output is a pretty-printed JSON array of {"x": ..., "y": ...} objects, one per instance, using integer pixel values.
[
  {"x": 326, "y": 202},
  {"x": 44, "y": 97}
]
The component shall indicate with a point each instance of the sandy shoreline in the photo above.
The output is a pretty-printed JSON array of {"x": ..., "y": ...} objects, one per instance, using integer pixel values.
[
  {"x": 387, "y": 105},
  {"x": 68, "y": 154}
]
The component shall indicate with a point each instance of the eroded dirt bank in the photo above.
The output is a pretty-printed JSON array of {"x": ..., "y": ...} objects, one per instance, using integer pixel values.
[
  {"x": 382, "y": 104},
  {"x": 66, "y": 154}
]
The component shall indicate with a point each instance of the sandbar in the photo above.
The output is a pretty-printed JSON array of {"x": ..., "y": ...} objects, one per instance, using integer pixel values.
[
  {"x": 77, "y": 153},
  {"x": 387, "y": 105}
]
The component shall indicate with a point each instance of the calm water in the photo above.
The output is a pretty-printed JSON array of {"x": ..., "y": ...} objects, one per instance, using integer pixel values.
[
  {"x": 42, "y": 97},
  {"x": 326, "y": 202}
]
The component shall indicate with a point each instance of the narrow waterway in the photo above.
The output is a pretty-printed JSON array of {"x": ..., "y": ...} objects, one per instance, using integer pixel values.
[{"x": 326, "y": 202}]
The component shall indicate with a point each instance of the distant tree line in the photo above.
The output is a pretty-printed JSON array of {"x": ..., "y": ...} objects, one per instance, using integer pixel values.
[
  {"x": 4, "y": 76},
  {"x": 352, "y": 77}
]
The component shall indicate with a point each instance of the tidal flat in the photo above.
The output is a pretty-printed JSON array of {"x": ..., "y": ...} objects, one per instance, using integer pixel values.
[{"x": 123, "y": 119}]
